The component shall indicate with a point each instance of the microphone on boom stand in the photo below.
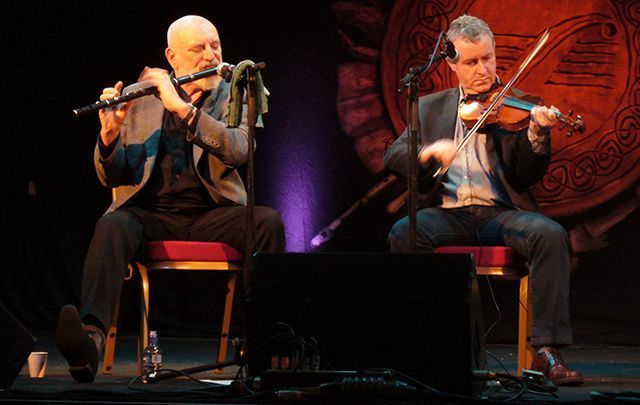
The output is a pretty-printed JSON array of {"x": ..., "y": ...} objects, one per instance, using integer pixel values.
[{"x": 449, "y": 53}]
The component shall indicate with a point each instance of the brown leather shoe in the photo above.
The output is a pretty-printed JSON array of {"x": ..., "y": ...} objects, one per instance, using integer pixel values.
[{"x": 555, "y": 369}]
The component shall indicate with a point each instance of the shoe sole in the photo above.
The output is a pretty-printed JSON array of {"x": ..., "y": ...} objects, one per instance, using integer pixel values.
[{"x": 570, "y": 382}]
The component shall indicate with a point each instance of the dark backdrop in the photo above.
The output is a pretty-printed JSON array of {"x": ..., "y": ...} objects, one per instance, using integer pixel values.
[{"x": 59, "y": 57}]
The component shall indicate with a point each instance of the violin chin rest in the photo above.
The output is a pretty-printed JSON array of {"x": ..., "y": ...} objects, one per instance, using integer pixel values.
[{"x": 469, "y": 111}]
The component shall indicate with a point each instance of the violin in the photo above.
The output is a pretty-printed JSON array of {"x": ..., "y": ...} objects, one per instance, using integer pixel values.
[{"x": 510, "y": 112}]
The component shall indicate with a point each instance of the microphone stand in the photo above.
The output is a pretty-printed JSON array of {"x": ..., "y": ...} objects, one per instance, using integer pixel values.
[
  {"x": 166, "y": 374},
  {"x": 252, "y": 118},
  {"x": 410, "y": 81}
]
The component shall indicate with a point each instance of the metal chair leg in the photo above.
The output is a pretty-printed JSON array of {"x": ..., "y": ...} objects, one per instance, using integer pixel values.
[
  {"x": 226, "y": 320},
  {"x": 110, "y": 343},
  {"x": 143, "y": 338},
  {"x": 525, "y": 350}
]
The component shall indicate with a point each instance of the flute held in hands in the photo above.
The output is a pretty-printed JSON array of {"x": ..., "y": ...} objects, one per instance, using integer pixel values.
[{"x": 141, "y": 89}]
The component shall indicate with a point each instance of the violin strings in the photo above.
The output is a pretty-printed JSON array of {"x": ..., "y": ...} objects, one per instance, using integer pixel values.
[
  {"x": 527, "y": 106},
  {"x": 514, "y": 102}
]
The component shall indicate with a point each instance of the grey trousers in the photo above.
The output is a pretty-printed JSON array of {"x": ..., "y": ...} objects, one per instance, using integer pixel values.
[
  {"x": 540, "y": 240},
  {"x": 119, "y": 235}
]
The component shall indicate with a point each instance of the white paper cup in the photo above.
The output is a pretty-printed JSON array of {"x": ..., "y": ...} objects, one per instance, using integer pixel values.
[{"x": 37, "y": 364}]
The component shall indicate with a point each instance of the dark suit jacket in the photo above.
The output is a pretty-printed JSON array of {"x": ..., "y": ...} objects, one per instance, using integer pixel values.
[
  {"x": 438, "y": 113},
  {"x": 217, "y": 150}
]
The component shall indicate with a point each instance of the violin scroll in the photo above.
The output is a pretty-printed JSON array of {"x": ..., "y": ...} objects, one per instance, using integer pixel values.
[{"x": 574, "y": 124}]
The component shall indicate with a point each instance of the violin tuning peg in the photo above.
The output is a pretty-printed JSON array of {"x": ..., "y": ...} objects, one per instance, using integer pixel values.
[{"x": 580, "y": 123}]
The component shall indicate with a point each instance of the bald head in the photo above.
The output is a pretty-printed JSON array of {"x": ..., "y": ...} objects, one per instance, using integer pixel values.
[{"x": 183, "y": 26}]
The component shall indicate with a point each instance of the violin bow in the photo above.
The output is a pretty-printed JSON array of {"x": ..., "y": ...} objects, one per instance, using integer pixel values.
[{"x": 545, "y": 36}]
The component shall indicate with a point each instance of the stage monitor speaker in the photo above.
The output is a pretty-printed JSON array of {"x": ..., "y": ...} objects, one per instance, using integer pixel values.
[
  {"x": 15, "y": 345},
  {"x": 413, "y": 313}
]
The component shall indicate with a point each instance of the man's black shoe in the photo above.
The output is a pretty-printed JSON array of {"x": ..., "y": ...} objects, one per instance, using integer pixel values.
[{"x": 76, "y": 346}]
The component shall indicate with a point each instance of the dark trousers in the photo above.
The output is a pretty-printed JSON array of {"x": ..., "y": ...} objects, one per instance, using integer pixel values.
[
  {"x": 119, "y": 235},
  {"x": 540, "y": 240}
]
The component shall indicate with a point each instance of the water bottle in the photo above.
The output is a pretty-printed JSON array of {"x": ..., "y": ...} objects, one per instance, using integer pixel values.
[{"x": 151, "y": 359}]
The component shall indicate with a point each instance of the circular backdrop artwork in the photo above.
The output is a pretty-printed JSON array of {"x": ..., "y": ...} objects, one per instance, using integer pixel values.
[{"x": 589, "y": 66}]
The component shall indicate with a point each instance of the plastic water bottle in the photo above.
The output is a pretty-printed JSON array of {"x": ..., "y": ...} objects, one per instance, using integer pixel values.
[{"x": 151, "y": 359}]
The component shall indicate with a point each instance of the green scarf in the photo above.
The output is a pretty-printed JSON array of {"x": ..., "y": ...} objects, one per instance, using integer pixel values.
[{"x": 234, "y": 113}]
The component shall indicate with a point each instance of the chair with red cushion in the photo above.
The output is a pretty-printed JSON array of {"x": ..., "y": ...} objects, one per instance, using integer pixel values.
[
  {"x": 502, "y": 261},
  {"x": 178, "y": 255}
]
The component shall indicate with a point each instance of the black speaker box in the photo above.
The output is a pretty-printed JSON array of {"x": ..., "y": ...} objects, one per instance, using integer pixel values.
[
  {"x": 414, "y": 313},
  {"x": 15, "y": 345}
]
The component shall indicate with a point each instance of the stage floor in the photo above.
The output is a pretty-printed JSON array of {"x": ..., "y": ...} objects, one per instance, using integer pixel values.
[{"x": 607, "y": 369}]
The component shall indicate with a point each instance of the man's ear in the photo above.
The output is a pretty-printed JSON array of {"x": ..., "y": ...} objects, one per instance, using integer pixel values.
[
  {"x": 170, "y": 55},
  {"x": 453, "y": 66}
]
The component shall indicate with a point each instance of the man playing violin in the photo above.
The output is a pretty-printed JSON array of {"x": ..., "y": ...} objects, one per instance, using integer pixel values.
[
  {"x": 483, "y": 199},
  {"x": 173, "y": 163}
]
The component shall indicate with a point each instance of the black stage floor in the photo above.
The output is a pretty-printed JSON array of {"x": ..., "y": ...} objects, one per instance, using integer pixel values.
[{"x": 607, "y": 370}]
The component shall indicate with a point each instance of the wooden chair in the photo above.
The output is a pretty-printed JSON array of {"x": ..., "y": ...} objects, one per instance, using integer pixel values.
[
  {"x": 178, "y": 255},
  {"x": 502, "y": 261}
]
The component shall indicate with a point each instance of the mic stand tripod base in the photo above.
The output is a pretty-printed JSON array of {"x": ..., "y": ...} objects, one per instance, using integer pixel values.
[{"x": 162, "y": 375}]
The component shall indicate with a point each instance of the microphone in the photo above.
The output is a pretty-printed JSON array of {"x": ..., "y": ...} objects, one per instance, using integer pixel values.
[
  {"x": 326, "y": 233},
  {"x": 450, "y": 51}
]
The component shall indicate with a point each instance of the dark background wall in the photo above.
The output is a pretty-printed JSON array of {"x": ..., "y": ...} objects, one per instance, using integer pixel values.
[{"x": 59, "y": 57}]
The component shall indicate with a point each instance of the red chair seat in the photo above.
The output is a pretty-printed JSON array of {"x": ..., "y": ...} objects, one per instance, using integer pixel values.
[
  {"x": 174, "y": 250},
  {"x": 487, "y": 256},
  {"x": 179, "y": 255}
]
